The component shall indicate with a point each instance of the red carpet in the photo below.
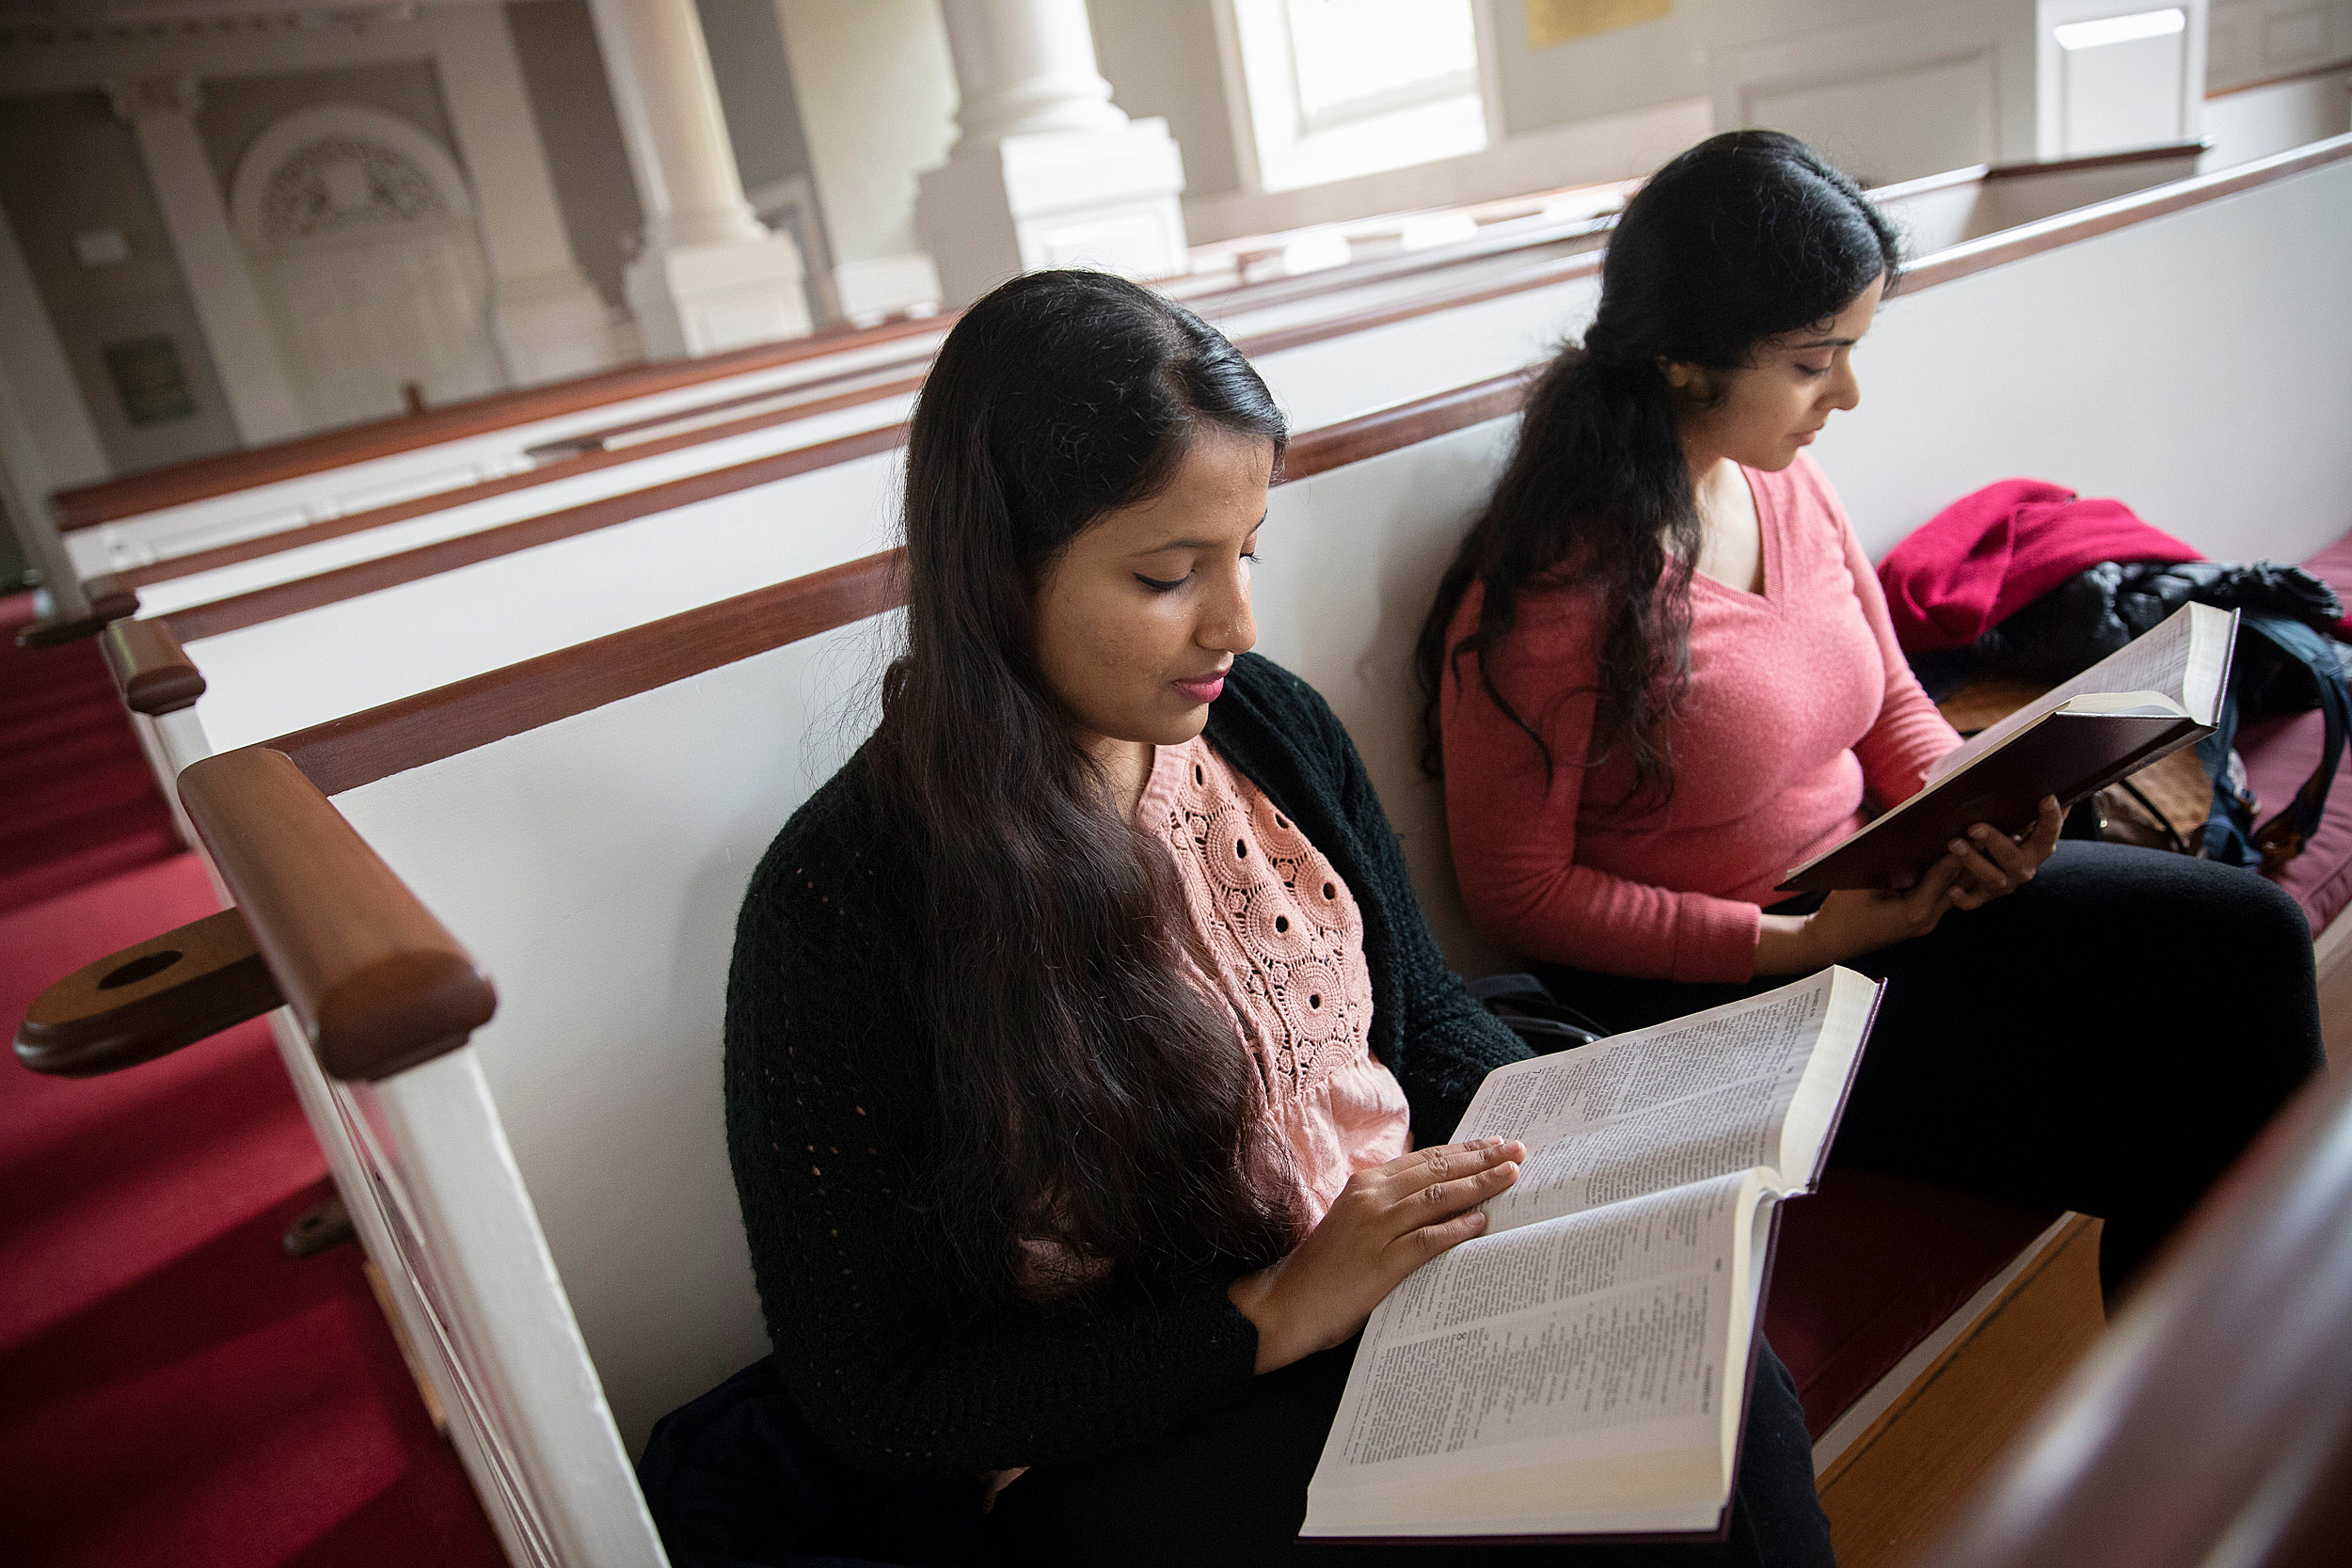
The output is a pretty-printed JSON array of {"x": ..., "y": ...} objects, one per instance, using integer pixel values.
[
  {"x": 172, "y": 1388},
  {"x": 78, "y": 801}
]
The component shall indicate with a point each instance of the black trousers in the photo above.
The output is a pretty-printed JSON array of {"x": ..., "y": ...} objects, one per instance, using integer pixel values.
[
  {"x": 1231, "y": 1489},
  {"x": 2106, "y": 1038}
]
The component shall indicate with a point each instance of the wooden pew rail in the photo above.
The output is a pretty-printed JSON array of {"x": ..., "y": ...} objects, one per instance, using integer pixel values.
[
  {"x": 321, "y": 925},
  {"x": 2213, "y": 1423}
]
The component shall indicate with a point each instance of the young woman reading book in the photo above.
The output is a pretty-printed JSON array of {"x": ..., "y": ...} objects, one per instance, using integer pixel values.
[
  {"x": 1661, "y": 674},
  {"x": 1088, "y": 1064}
]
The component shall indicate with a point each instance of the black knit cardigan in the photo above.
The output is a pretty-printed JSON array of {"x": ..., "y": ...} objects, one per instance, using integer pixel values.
[{"x": 830, "y": 1107}]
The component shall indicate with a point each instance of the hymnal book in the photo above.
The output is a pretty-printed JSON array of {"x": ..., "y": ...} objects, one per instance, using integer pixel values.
[
  {"x": 1580, "y": 1370},
  {"x": 2139, "y": 705}
]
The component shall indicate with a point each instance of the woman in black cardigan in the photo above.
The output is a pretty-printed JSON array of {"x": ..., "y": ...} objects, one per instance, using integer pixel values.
[{"x": 998, "y": 1091}]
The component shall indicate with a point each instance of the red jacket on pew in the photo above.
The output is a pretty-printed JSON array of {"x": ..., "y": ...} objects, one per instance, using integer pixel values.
[{"x": 1995, "y": 551}]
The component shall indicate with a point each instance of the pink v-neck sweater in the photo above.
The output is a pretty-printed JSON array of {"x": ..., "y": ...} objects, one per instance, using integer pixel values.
[{"x": 1799, "y": 710}]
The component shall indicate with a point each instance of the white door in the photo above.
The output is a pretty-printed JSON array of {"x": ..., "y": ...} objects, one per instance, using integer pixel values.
[{"x": 361, "y": 236}]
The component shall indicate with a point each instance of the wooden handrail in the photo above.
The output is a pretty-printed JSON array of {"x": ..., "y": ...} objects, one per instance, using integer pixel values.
[
  {"x": 375, "y": 982},
  {"x": 344, "y": 753},
  {"x": 2013, "y": 245},
  {"x": 2155, "y": 152},
  {"x": 466, "y": 549},
  {"x": 2301, "y": 74},
  {"x": 557, "y": 469},
  {"x": 2214, "y": 1422},
  {"x": 198, "y": 478},
  {"x": 150, "y": 670}
]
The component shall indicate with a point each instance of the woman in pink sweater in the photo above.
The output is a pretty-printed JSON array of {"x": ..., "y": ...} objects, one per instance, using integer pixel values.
[{"x": 1661, "y": 674}]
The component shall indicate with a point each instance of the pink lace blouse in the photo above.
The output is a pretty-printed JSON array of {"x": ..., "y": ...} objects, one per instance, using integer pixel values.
[{"x": 1288, "y": 944}]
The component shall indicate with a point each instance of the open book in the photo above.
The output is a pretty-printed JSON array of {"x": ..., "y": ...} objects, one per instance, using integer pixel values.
[
  {"x": 2137, "y": 706},
  {"x": 1581, "y": 1369}
]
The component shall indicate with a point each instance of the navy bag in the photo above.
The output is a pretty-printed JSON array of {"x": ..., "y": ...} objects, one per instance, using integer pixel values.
[{"x": 2282, "y": 665}]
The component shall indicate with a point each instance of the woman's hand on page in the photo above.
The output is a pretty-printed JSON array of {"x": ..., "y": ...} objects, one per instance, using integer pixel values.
[
  {"x": 1855, "y": 920},
  {"x": 1386, "y": 1222},
  {"x": 1994, "y": 864}
]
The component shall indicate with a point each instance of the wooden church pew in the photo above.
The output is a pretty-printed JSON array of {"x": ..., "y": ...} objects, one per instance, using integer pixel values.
[{"x": 2213, "y": 1423}]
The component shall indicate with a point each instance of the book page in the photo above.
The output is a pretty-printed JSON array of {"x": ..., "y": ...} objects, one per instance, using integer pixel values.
[
  {"x": 1601, "y": 1333},
  {"x": 2186, "y": 658},
  {"x": 1682, "y": 1101}
]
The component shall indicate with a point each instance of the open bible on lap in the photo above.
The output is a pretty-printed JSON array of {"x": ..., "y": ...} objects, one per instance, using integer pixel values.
[
  {"x": 1580, "y": 1370},
  {"x": 2140, "y": 704}
]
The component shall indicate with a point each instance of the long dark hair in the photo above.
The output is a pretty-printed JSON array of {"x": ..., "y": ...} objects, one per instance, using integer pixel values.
[
  {"x": 1745, "y": 237},
  {"x": 1098, "y": 1121}
]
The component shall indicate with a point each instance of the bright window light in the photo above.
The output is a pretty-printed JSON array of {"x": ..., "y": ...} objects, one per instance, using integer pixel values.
[
  {"x": 2120, "y": 29},
  {"x": 1370, "y": 54}
]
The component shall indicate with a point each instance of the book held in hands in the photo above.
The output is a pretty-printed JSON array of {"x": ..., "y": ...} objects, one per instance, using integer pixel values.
[
  {"x": 1580, "y": 1370},
  {"x": 2136, "y": 707}
]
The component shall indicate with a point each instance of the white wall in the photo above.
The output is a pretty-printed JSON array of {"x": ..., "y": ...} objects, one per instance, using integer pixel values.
[
  {"x": 877, "y": 94},
  {"x": 2192, "y": 366},
  {"x": 2252, "y": 40}
]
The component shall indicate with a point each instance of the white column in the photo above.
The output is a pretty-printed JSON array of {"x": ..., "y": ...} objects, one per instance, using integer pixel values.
[
  {"x": 710, "y": 276},
  {"x": 549, "y": 321},
  {"x": 228, "y": 306},
  {"x": 1047, "y": 171},
  {"x": 47, "y": 441}
]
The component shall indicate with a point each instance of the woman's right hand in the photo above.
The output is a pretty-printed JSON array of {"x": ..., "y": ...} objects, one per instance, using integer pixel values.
[
  {"x": 1854, "y": 921},
  {"x": 1386, "y": 1222}
]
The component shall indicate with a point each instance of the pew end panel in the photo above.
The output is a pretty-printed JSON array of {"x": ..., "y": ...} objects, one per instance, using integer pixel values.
[
  {"x": 639, "y": 822},
  {"x": 381, "y": 1008}
]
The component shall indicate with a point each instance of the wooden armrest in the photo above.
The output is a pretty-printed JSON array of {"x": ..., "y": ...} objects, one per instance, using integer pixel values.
[
  {"x": 2214, "y": 1422},
  {"x": 148, "y": 1001},
  {"x": 376, "y": 983},
  {"x": 110, "y": 598},
  {"x": 150, "y": 669}
]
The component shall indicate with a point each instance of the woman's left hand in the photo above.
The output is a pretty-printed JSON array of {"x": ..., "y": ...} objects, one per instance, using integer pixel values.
[{"x": 1992, "y": 864}]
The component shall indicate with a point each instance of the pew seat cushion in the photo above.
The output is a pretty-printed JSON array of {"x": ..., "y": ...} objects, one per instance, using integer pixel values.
[
  {"x": 1871, "y": 1265},
  {"x": 2281, "y": 753}
]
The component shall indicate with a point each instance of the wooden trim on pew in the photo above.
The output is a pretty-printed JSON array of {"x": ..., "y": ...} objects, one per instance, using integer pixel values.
[
  {"x": 375, "y": 982},
  {"x": 344, "y": 753},
  {"x": 2214, "y": 1422},
  {"x": 390, "y": 571},
  {"x": 586, "y": 461},
  {"x": 89, "y": 505},
  {"x": 2014, "y": 244},
  {"x": 2155, "y": 153},
  {"x": 150, "y": 670},
  {"x": 2304, "y": 75}
]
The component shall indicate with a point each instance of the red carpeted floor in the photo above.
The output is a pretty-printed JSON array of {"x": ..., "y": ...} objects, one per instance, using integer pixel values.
[
  {"x": 78, "y": 801},
  {"x": 173, "y": 1389}
]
